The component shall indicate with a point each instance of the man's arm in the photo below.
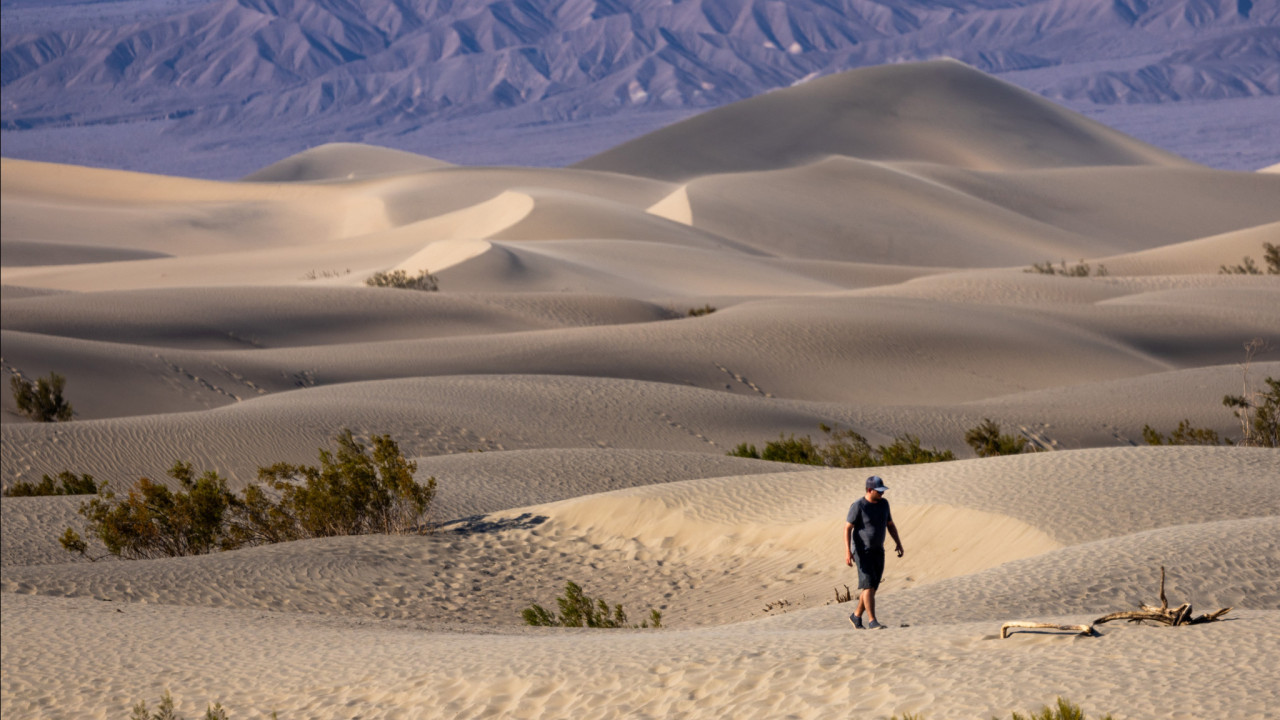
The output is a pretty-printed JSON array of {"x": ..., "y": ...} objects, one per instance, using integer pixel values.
[
  {"x": 848, "y": 539},
  {"x": 893, "y": 530}
]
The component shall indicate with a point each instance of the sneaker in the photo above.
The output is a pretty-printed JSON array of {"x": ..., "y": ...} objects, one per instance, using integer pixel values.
[
  {"x": 874, "y": 625},
  {"x": 856, "y": 620}
]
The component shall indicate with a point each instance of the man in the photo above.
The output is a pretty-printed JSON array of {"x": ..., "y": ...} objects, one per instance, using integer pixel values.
[{"x": 864, "y": 530}]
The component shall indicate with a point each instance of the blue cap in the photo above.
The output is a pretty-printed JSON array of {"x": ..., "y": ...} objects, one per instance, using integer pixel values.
[{"x": 875, "y": 483}]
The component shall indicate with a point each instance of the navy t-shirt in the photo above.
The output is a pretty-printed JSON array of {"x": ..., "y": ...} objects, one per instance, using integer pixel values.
[{"x": 869, "y": 523}]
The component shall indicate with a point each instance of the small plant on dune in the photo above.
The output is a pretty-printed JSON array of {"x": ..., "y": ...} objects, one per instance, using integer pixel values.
[
  {"x": 1259, "y": 415},
  {"x": 1064, "y": 710},
  {"x": 165, "y": 711},
  {"x": 312, "y": 274},
  {"x": 699, "y": 312},
  {"x": 578, "y": 610},
  {"x": 1246, "y": 267},
  {"x": 987, "y": 440},
  {"x": 1083, "y": 269},
  {"x": 906, "y": 450},
  {"x": 352, "y": 492},
  {"x": 844, "y": 449},
  {"x": 1184, "y": 434},
  {"x": 152, "y": 521},
  {"x": 1258, "y": 412},
  {"x": 404, "y": 281},
  {"x": 41, "y": 401},
  {"x": 69, "y": 483},
  {"x": 1270, "y": 255}
]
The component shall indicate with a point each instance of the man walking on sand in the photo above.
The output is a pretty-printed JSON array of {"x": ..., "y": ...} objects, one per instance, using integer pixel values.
[{"x": 864, "y": 530}]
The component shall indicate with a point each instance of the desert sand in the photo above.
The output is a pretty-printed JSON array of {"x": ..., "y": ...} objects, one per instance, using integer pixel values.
[{"x": 867, "y": 242}]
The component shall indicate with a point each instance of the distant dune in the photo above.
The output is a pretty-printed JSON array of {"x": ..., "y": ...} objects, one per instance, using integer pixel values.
[{"x": 905, "y": 252}]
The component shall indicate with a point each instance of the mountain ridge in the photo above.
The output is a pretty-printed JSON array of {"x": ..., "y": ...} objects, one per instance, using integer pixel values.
[{"x": 355, "y": 69}]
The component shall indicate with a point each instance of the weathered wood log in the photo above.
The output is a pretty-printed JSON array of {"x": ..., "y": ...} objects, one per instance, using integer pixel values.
[{"x": 1079, "y": 629}]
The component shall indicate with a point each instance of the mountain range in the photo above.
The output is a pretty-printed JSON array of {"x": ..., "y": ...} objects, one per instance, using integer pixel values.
[{"x": 244, "y": 77}]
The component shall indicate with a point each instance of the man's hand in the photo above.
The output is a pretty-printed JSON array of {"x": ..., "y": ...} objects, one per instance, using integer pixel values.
[
  {"x": 899, "y": 549},
  {"x": 848, "y": 559}
]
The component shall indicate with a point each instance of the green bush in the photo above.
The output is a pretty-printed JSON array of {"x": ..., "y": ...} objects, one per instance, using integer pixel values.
[
  {"x": 1258, "y": 412},
  {"x": 152, "y": 521},
  {"x": 578, "y": 610},
  {"x": 1259, "y": 415},
  {"x": 906, "y": 450},
  {"x": 42, "y": 401},
  {"x": 987, "y": 441},
  {"x": 1270, "y": 255},
  {"x": 844, "y": 449},
  {"x": 1083, "y": 269},
  {"x": 402, "y": 280},
  {"x": 699, "y": 312},
  {"x": 353, "y": 492},
  {"x": 1184, "y": 434},
  {"x": 1065, "y": 710},
  {"x": 166, "y": 711},
  {"x": 70, "y": 484}
]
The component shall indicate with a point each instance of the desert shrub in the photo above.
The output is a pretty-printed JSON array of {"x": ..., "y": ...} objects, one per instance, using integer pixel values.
[
  {"x": 69, "y": 483},
  {"x": 166, "y": 711},
  {"x": 353, "y": 492},
  {"x": 791, "y": 450},
  {"x": 1270, "y": 255},
  {"x": 1246, "y": 267},
  {"x": 41, "y": 401},
  {"x": 578, "y": 610},
  {"x": 1184, "y": 434},
  {"x": 843, "y": 449},
  {"x": 152, "y": 521},
  {"x": 906, "y": 450},
  {"x": 1083, "y": 269},
  {"x": 1064, "y": 710},
  {"x": 403, "y": 281},
  {"x": 699, "y": 312},
  {"x": 987, "y": 440},
  {"x": 1259, "y": 415}
]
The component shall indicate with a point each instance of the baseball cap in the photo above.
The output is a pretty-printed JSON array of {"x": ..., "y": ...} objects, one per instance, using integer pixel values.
[{"x": 875, "y": 483}]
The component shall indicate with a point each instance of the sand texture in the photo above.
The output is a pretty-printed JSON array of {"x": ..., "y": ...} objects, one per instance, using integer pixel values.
[{"x": 866, "y": 242}]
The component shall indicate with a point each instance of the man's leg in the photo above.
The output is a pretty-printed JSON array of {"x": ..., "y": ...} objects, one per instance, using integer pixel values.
[{"x": 868, "y": 600}]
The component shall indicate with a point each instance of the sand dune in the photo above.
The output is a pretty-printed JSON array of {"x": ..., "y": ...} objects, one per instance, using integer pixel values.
[
  {"x": 344, "y": 161},
  {"x": 856, "y": 251},
  {"x": 710, "y": 553},
  {"x": 942, "y": 112}
]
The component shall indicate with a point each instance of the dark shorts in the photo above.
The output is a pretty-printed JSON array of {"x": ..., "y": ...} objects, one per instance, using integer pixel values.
[{"x": 870, "y": 568}]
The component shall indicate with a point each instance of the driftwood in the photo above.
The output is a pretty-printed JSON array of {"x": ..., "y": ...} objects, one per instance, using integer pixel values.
[
  {"x": 1080, "y": 629},
  {"x": 1180, "y": 615}
]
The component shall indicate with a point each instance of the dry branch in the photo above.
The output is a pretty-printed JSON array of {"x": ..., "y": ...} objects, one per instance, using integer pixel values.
[
  {"x": 1180, "y": 615},
  {"x": 1005, "y": 628}
]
